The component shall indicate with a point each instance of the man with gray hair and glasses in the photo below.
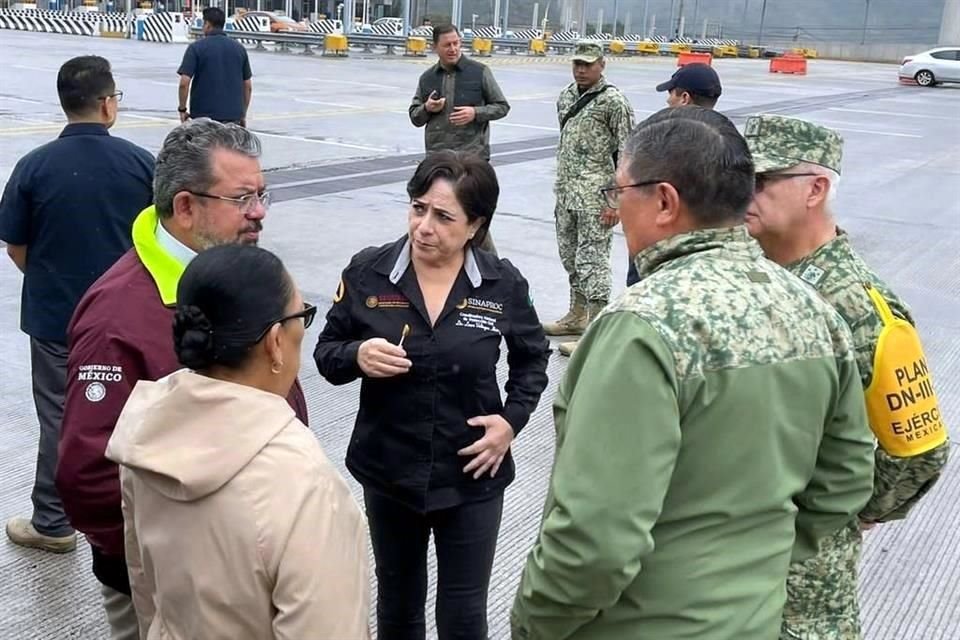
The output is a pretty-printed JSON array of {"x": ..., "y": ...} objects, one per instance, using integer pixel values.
[
  {"x": 208, "y": 190},
  {"x": 798, "y": 170},
  {"x": 711, "y": 424}
]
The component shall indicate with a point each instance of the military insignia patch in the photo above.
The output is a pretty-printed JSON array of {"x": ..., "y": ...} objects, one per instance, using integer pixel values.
[
  {"x": 752, "y": 127},
  {"x": 341, "y": 289},
  {"x": 812, "y": 274}
]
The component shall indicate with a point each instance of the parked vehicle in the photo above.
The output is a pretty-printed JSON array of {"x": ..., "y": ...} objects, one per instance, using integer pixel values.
[
  {"x": 279, "y": 24},
  {"x": 931, "y": 67}
]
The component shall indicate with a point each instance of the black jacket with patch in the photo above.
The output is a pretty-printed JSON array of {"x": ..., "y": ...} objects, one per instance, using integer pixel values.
[{"x": 410, "y": 427}]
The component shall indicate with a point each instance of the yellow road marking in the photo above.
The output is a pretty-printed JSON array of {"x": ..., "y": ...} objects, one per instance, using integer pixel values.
[{"x": 160, "y": 121}]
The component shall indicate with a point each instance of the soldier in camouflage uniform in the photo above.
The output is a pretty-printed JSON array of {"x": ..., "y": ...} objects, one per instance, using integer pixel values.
[
  {"x": 798, "y": 167},
  {"x": 595, "y": 119},
  {"x": 710, "y": 425}
]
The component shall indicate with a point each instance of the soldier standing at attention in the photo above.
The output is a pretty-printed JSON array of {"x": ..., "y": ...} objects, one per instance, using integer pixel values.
[
  {"x": 456, "y": 100},
  {"x": 798, "y": 170},
  {"x": 595, "y": 120}
]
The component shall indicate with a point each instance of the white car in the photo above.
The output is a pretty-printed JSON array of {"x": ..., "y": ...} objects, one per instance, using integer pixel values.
[{"x": 932, "y": 67}]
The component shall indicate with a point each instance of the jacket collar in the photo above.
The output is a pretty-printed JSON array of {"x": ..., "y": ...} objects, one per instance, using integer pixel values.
[
  {"x": 478, "y": 265},
  {"x": 458, "y": 66},
  {"x": 734, "y": 240},
  {"x": 162, "y": 266},
  {"x": 815, "y": 266},
  {"x": 84, "y": 129}
]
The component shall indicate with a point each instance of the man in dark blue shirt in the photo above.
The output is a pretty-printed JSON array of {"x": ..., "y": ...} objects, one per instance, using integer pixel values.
[
  {"x": 215, "y": 73},
  {"x": 66, "y": 216}
]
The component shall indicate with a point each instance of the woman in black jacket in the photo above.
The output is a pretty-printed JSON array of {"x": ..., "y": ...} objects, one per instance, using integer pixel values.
[{"x": 420, "y": 321}]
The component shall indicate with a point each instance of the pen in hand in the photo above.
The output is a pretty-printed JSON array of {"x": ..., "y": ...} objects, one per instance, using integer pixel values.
[{"x": 404, "y": 334}]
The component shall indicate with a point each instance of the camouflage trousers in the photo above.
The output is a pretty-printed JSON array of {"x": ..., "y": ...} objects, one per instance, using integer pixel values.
[
  {"x": 585, "y": 244},
  {"x": 822, "y": 591}
]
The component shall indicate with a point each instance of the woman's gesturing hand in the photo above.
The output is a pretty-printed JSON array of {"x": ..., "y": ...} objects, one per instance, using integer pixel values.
[
  {"x": 491, "y": 449},
  {"x": 378, "y": 358}
]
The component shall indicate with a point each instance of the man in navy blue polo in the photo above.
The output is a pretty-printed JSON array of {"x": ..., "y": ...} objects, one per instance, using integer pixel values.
[
  {"x": 215, "y": 73},
  {"x": 66, "y": 216}
]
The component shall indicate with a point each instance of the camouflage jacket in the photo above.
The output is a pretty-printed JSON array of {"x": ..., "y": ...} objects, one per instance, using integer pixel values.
[
  {"x": 468, "y": 84},
  {"x": 710, "y": 426},
  {"x": 838, "y": 274},
  {"x": 588, "y": 142}
]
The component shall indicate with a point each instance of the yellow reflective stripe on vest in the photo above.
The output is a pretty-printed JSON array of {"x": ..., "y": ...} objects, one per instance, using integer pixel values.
[
  {"x": 163, "y": 268},
  {"x": 901, "y": 403}
]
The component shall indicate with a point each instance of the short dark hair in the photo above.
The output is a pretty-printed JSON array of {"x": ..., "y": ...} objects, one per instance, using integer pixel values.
[
  {"x": 701, "y": 153},
  {"x": 82, "y": 82},
  {"x": 441, "y": 29},
  {"x": 215, "y": 16},
  {"x": 474, "y": 184},
  {"x": 227, "y": 297},
  {"x": 707, "y": 102}
]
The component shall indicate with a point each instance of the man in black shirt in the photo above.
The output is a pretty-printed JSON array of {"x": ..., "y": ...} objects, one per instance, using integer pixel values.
[
  {"x": 66, "y": 216},
  {"x": 215, "y": 73}
]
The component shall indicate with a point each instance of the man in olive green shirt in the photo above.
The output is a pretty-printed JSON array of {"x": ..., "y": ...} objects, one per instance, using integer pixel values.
[{"x": 710, "y": 427}]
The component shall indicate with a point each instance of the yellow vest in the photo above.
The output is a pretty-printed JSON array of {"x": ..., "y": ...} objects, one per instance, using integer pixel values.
[{"x": 901, "y": 403}]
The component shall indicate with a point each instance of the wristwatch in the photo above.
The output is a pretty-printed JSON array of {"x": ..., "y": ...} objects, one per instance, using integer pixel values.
[{"x": 182, "y": 109}]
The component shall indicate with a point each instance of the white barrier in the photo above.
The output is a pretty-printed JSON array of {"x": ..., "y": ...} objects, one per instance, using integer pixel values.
[
  {"x": 168, "y": 26},
  {"x": 84, "y": 24},
  {"x": 326, "y": 26}
]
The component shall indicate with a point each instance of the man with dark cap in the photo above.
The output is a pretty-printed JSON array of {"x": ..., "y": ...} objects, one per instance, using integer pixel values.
[{"x": 695, "y": 84}]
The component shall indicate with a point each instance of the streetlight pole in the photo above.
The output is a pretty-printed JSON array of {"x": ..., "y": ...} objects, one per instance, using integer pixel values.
[
  {"x": 866, "y": 18},
  {"x": 763, "y": 16}
]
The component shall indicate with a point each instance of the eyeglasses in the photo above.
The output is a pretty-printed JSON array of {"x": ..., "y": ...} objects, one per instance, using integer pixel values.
[
  {"x": 612, "y": 194},
  {"x": 761, "y": 180},
  {"x": 116, "y": 94},
  {"x": 308, "y": 314},
  {"x": 246, "y": 203}
]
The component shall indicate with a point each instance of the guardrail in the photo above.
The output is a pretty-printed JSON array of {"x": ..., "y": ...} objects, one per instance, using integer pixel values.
[
  {"x": 414, "y": 45},
  {"x": 318, "y": 41}
]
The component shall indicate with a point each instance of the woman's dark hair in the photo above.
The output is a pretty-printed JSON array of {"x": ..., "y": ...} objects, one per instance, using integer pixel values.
[
  {"x": 227, "y": 298},
  {"x": 474, "y": 184}
]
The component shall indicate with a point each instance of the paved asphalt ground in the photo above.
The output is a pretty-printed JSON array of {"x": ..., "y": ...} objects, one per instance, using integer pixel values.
[{"x": 338, "y": 148}]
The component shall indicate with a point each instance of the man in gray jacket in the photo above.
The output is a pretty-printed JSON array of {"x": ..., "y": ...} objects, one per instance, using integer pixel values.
[{"x": 456, "y": 99}]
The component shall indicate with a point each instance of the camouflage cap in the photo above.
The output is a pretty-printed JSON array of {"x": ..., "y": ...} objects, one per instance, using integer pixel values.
[
  {"x": 588, "y": 52},
  {"x": 779, "y": 142}
]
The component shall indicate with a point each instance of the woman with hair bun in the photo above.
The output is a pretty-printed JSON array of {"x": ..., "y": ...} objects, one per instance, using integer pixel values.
[{"x": 236, "y": 524}]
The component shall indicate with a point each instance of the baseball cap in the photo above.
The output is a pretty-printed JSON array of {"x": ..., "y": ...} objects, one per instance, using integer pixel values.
[
  {"x": 780, "y": 142},
  {"x": 588, "y": 52},
  {"x": 697, "y": 78}
]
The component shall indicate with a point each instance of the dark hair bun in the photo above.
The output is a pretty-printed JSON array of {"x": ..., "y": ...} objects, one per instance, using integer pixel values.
[{"x": 193, "y": 337}]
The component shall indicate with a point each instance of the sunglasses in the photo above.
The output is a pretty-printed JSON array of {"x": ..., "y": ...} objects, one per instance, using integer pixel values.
[
  {"x": 308, "y": 314},
  {"x": 761, "y": 180}
]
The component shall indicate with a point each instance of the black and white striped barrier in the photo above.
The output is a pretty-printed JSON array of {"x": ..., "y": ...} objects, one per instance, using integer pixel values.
[
  {"x": 259, "y": 24},
  {"x": 163, "y": 27},
  {"x": 326, "y": 26},
  {"x": 81, "y": 24},
  {"x": 487, "y": 32}
]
